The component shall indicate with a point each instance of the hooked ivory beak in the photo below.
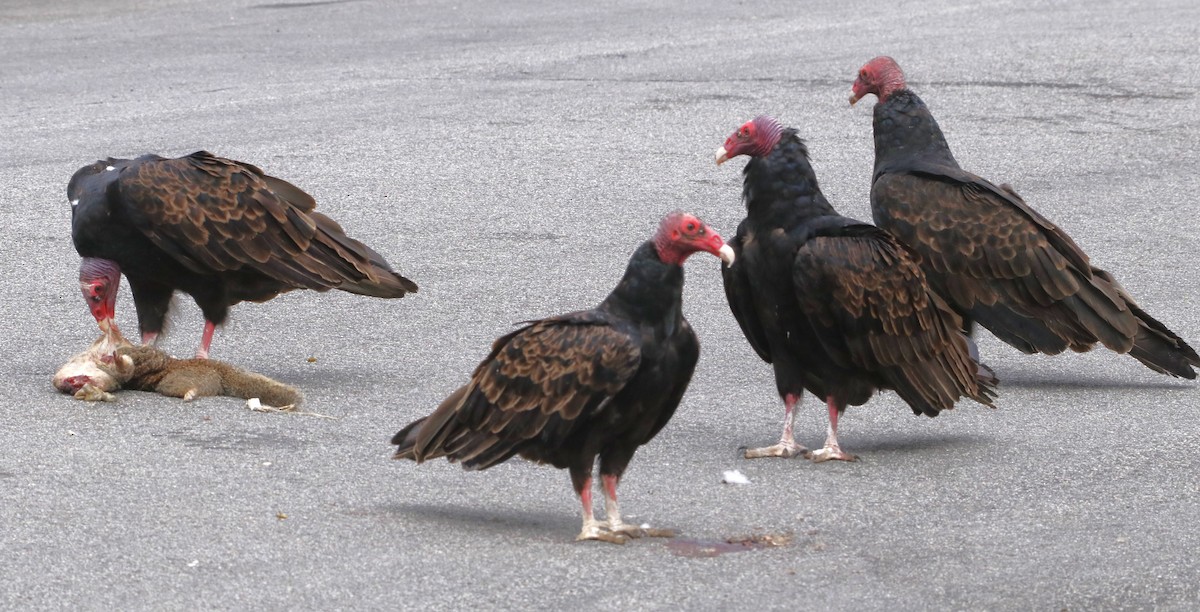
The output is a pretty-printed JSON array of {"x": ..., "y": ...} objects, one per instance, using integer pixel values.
[
  {"x": 726, "y": 253},
  {"x": 111, "y": 332},
  {"x": 722, "y": 155},
  {"x": 853, "y": 98}
]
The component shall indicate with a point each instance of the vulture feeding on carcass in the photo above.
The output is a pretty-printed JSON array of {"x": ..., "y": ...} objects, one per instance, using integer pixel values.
[
  {"x": 594, "y": 383},
  {"x": 836, "y": 306},
  {"x": 992, "y": 257},
  {"x": 219, "y": 230}
]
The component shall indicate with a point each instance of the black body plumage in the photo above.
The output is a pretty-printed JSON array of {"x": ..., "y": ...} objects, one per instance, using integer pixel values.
[
  {"x": 219, "y": 230},
  {"x": 997, "y": 261},
  {"x": 837, "y": 306},
  {"x": 570, "y": 389}
]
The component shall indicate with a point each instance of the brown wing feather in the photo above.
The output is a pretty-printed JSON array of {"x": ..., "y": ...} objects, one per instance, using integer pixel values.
[
  {"x": 870, "y": 296},
  {"x": 986, "y": 247},
  {"x": 538, "y": 381},
  {"x": 218, "y": 215},
  {"x": 979, "y": 238}
]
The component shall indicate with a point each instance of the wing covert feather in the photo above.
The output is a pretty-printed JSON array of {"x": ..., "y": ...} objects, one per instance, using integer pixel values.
[
  {"x": 217, "y": 215},
  {"x": 873, "y": 309},
  {"x": 537, "y": 382},
  {"x": 983, "y": 237}
]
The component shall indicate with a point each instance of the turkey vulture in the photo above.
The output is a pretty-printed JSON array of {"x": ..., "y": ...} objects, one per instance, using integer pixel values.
[
  {"x": 217, "y": 229},
  {"x": 996, "y": 260},
  {"x": 837, "y": 306},
  {"x": 567, "y": 389}
]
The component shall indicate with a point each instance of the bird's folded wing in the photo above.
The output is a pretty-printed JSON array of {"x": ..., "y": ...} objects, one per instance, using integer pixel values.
[
  {"x": 740, "y": 294},
  {"x": 991, "y": 247},
  {"x": 537, "y": 381},
  {"x": 214, "y": 214},
  {"x": 869, "y": 293},
  {"x": 872, "y": 309}
]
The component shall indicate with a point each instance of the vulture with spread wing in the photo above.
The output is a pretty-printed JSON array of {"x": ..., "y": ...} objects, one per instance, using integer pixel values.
[
  {"x": 996, "y": 260},
  {"x": 837, "y": 307},
  {"x": 219, "y": 230}
]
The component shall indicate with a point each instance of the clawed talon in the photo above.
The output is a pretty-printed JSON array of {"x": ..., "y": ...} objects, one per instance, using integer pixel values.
[
  {"x": 827, "y": 453},
  {"x": 611, "y": 538},
  {"x": 785, "y": 451},
  {"x": 623, "y": 533},
  {"x": 612, "y": 530},
  {"x": 598, "y": 531},
  {"x": 787, "y": 447}
]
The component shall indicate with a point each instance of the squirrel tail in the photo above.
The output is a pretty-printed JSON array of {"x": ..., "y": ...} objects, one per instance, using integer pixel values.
[{"x": 241, "y": 383}]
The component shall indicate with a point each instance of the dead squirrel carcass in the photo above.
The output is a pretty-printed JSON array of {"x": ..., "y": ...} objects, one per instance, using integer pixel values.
[
  {"x": 112, "y": 363},
  {"x": 146, "y": 368},
  {"x": 93, "y": 375}
]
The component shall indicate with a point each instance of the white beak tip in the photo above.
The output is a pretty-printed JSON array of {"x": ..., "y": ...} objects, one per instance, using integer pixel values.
[
  {"x": 722, "y": 155},
  {"x": 726, "y": 254}
]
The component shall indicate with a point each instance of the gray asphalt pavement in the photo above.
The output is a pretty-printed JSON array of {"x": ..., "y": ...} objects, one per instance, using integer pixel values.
[{"x": 509, "y": 157}]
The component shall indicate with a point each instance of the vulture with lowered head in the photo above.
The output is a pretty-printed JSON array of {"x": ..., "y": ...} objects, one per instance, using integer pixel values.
[{"x": 219, "y": 230}]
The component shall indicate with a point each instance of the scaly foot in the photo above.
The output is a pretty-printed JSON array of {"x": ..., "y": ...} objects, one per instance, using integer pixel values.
[
  {"x": 599, "y": 531},
  {"x": 783, "y": 449},
  {"x": 831, "y": 452}
]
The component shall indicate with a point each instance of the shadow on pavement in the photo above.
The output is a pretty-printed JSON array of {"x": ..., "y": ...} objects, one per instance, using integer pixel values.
[
  {"x": 557, "y": 526},
  {"x": 1029, "y": 380}
]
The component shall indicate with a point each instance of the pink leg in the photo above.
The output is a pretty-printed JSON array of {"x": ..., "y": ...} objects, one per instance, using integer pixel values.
[
  {"x": 585, "y": 498},
  {"x": 206, "y": 340},
  {"x": 593, "y": 529},
  {"x": 611, "y": 508},
  {"x": 610, "y": 488},
  {"x": 832, "y": 450},
  {"x": 787, "y": 446}
]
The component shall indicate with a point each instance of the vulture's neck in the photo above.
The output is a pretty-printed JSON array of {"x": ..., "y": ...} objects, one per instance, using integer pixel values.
[
  {"x": 906, "y": 132},
  {"x": 782, "y": 186},
  {"x": 650, "y": 291}
]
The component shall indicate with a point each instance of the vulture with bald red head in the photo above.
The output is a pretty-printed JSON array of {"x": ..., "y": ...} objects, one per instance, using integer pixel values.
[
  {"x": 219, "y": 230},
  {"x": 593, "y": 383},
  {"x": 996, "y": 260},
  {"x": 837, "y": 307}
]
